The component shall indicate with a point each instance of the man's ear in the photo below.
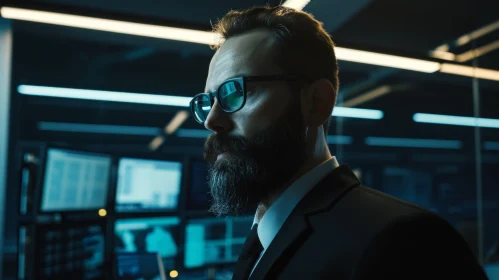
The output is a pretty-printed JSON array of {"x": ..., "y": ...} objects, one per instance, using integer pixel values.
[{"x": 317, "y": 102}]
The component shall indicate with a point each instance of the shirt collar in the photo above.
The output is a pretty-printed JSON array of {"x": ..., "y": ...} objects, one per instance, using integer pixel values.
[{"x": 275, "y": 216}]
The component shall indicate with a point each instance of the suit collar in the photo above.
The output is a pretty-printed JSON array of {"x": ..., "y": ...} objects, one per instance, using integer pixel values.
[
  {"x": 275, "y": 216},
  {"x": 337, "y": 183},
  {"x": 297, "y": 228}
]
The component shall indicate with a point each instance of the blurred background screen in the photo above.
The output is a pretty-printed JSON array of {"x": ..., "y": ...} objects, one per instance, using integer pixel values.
[
  {"x": 149, "y": 235},
  {"x": 215, "y": 241},
  {"x": 134, "y": 266},
  {"x": 76, "y": 250},
  {"x": 145, "y": 185},
  {"x": 75, "y": 181}
]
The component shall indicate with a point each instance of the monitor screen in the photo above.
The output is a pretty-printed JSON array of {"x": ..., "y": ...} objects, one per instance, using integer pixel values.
[
  {"x": 75, "y": 181},
  {"x": 215, "y": 240},
  {"x": 199, "y": 192},
  {"x": 148, "y": 185},
  {"x": 149, "y": 235},
  {"x": 70, "y": 252},
  {"x": 139, "y": 266}
]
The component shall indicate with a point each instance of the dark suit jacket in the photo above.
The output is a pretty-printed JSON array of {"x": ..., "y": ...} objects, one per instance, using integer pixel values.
[{"x": 342, "y": 230}]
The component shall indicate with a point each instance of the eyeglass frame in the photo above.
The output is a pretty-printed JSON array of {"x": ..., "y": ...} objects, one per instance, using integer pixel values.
[{"x": 242, "y": 81}]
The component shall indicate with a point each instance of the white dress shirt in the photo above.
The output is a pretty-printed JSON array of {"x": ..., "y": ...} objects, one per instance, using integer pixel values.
[{"x": 275, "y": 216}]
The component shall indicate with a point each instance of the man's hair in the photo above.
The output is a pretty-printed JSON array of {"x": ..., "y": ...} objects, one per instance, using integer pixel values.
[{"x": 302, "y": 46}]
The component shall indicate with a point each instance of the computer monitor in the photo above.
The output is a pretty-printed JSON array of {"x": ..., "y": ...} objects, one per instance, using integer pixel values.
[
  {"x": 139, "y": 266},
  {"x": 214, "y": 241},
  {"x": 149, "y": 235},
  {"x": 148, "y": 185},
  {"x": 199, "y": 192},
  {"x": 74, "y": 180},
  {"x": 70, "y": 252}
]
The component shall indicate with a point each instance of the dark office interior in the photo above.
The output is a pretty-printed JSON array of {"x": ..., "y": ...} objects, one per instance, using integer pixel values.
[{"x": 101, "y": 163}]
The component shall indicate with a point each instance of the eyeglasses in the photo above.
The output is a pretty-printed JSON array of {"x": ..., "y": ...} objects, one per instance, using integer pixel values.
[{"x": 231, "y": 95}]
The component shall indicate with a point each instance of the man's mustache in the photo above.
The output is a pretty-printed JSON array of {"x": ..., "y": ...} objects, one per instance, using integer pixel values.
[{"x": 224, "y": 143}]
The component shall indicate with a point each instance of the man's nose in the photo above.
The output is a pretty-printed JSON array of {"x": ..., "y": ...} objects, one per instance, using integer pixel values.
[{"x": 218, "y": 121}]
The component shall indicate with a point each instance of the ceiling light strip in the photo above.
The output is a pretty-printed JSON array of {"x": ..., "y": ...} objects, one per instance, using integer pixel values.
[
  {"x": 156, "y": 99},
  {"x": 193, "y": 133},
  {"x": 413, "y": 143},
  {"x": 210, "y": 38},
  {"x": 491, "y": 145},
  {"x": 455, "y": 120},
  {"x": 100, "y": 95},
  {"x": 130, "y": 28},
  {"x": 387, "y": 60},
  {"x": 481, "y": 73},
  {"x": 176, "y": 122},
  {"x": 357, "y": 113},
  {"x": 98, "y": 128},
  {"x": 201, "y": 37},
  {"x": 296, "y": 4},
  {"x": 339, "y": 139}
]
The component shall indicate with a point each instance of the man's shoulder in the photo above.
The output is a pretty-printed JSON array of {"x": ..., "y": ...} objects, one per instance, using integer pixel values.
[
  {"x": 365, "y": 220},
  {"x": 384, "y": 212},
  {"x": 367, "y": 225},
  {"x": 341, "y": 191},
  {"x": 403, "y": 234},
  {"x": 372, "y": 198},
  {"x": 363, "y": 213},
  {"x": 366, "y": 202}
]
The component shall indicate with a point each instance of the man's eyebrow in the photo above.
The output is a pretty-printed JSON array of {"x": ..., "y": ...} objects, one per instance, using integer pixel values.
[{"x": 230, "y": 77}]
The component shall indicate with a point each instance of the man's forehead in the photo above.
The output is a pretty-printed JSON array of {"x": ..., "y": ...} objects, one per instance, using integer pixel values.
[{"x": 243, "y": 55}]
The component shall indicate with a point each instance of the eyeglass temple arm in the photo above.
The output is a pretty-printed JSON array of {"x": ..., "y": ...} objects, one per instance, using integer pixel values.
[{"x": 273, "y": 78}]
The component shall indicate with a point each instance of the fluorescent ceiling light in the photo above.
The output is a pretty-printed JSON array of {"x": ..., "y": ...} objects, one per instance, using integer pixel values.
[
  {"x": 204, "y": 133},
  {"x": 443, "y": 48},
  {"x": 387, "y": 60},
  {"x": 413, "y": 143},
  {"x": 357, "y": 113},
  {"x": 455, "y": 120},
  {"x": 131, "y": 28},
  {"x": 176, "y": 122},
  {"x": 155, "y": 99},
  {"x": 296, "y": 4},
  {"x": 201, "y": 37},
  {"x": 98, "y": 128},
  {"x": 491, "y": 145},
  {"x": 368, "y": 96},
  {"x": 101, "y": 95},
  {"x": 487, "y": 74},
  {"x": 339, "y": 139},
  {"x": 156, "y": 143},
  {"x": 465, "y": 39},
  {"x": 193, "y": 133},
  {"x": 210, "y": 38},
  {"x": 474, "y": 53},
  {"x": 445, "y": 55}
]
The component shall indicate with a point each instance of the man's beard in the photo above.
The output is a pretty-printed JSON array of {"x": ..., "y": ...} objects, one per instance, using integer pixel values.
[{"x": 253, "y": 169}]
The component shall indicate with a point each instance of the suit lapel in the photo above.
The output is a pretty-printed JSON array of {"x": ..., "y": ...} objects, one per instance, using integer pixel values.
[
  {"x": 297, "y": 228},
  {"x": 281, "y": 246},
  {"x": 251, "y": 250}
]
